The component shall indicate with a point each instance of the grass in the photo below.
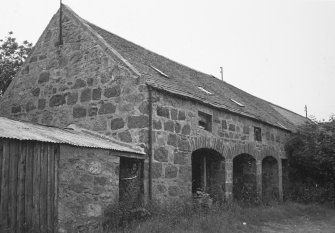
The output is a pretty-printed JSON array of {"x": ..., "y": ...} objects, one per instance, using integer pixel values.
[{"x": 220, "y": 218}]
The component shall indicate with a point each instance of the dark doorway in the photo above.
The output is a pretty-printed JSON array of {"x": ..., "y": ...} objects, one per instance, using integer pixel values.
[
  {"x": 208, "y": 173},
  {"x": 270, "y": 185},
  {"x": 286, "y": 181},
  {"x": 130, "y": 183},
  {"x": 244, "y": 178}
]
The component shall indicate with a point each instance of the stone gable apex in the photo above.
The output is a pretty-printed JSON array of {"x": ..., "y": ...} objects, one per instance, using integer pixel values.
[{"x": 101, "y": 41}]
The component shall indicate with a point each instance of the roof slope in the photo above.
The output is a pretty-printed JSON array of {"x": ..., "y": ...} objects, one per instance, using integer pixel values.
[
  {"x": 185, "y": 81},
  {"x": 73, "y": 136}
]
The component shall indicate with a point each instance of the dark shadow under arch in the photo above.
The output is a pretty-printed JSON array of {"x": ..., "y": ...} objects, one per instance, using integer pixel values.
[
  {"x": 208, "y": 173},
  {"x": 244, "y": 178},
  {"x": 270, "y": 179}
]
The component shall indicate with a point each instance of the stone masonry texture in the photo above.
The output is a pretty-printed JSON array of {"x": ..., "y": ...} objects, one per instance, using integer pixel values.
[
  {"x": 80, "y": 83},
  {"x": 88, "y": 183}
]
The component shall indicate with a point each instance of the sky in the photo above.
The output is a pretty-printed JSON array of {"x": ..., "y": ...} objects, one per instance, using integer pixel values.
[{"x": 281, "y": 51}]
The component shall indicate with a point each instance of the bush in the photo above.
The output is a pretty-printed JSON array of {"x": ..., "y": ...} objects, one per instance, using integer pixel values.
[{"x": 312, "y": 162}]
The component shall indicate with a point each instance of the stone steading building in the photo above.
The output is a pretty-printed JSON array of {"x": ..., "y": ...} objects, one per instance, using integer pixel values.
[{"x": 199, "y": 133}]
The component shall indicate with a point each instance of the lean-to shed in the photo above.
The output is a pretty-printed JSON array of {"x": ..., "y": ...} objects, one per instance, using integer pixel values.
[{"x": 61, "y": 180}]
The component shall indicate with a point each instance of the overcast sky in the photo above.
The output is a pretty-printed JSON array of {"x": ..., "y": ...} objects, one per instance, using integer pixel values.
[{"x": 281, "y": 51}]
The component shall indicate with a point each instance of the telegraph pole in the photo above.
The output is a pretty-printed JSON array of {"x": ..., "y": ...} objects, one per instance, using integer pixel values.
[{"x": 306, "y": 110}]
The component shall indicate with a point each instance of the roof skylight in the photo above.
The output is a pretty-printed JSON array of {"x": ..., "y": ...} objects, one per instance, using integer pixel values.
[
  {"x": 238, "y": 103},
  {"x": 159, "y": 71},
  {"x": 204, "y": 90},
  {"x": 281, "y": 125}
]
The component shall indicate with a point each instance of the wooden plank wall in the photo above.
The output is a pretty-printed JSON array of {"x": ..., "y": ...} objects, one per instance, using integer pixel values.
[{"x": 28, "y": 181}]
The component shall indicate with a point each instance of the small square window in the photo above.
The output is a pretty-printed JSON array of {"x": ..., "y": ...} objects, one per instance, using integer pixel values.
[
  {"x": 205, "y": 121},
  {"x": 258, "y": 134}
]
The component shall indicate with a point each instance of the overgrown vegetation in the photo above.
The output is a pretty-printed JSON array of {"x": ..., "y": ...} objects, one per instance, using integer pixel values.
[
  {"x": 181, "y": 217},
  {"x": 12, "y": 56},
  {"x": 312, "y": 162}
]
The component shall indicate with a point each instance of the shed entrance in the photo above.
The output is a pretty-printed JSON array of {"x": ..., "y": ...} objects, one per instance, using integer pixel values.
[
  {"x": 130, "y": 183},
  {"x": 208, "y": 173},
  {"x": 244, "y": 178}
]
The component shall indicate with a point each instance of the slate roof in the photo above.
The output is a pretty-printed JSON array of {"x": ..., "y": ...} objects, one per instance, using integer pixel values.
[
  {"x": 72, "y": 135},
  {"x": 185, "y": 81}
]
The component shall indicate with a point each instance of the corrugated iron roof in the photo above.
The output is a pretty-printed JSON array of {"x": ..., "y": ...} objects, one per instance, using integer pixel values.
[{"x": 72, "y": 135}]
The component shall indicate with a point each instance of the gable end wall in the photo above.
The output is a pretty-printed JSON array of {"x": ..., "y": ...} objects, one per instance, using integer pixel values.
[{"x": 79, "y": 82}]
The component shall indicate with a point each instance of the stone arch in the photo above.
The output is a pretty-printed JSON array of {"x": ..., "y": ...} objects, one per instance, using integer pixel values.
[
  {"x": 234, "y": 150},
  {"x": 208, "y": 173},
  {"x": 244, "y": 178},
  {"x": 212, "y": 143},
  {"x": 269, "y": 151},
  {"x": 270, "y": 178}
]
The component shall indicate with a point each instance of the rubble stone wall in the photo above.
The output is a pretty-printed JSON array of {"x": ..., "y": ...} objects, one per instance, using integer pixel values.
[
  {"x": 177, "y": 135},
  {"x": 88, "y": 184},
  {"x": 78, "y": 82}
]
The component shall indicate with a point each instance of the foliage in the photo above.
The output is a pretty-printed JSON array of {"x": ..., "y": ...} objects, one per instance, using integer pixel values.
[
  {"x": 312, "y": 161},
  {"x": 12, "y": 56}
]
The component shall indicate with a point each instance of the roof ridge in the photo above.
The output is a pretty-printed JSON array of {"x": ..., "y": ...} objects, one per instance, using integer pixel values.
[{"x": 102, "y": 41}]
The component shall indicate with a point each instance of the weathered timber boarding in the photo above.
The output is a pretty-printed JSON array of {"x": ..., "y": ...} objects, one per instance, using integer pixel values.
[
  {"x": 28, "y": 176},
  {"x": 51, "y": 182}
]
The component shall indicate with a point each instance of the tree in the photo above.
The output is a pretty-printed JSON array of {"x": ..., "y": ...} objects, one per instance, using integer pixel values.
[
  {"x": 312, "y": 159},
  {"x": 12, "y": 56}
]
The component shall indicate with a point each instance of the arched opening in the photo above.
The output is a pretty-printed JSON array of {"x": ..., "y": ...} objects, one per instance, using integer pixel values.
[
  {"x": 244, "y": 178},
  {"x": 208, "y": 173},
  {"x": 286, "y": 181},
  {"x": 270, "y": 179}
]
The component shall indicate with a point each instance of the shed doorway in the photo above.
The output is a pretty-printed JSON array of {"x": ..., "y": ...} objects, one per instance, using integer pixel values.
[
  {"x": 130, "y": 183},
  {"x": 208, "y": 173}
]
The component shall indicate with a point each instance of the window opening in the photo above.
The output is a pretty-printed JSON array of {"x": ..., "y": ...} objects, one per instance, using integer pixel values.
[
  {"x": 258, "y": 134},
  {"x": 205, "y": 121},
  {"x": 281, "y": 125}
]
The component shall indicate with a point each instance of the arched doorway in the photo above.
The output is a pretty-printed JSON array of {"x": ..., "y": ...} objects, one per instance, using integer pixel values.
[
  {"x": 208, "y": 173},
  {"x": 270, "y": 179},
  {"x": 244, "y": 178}
]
